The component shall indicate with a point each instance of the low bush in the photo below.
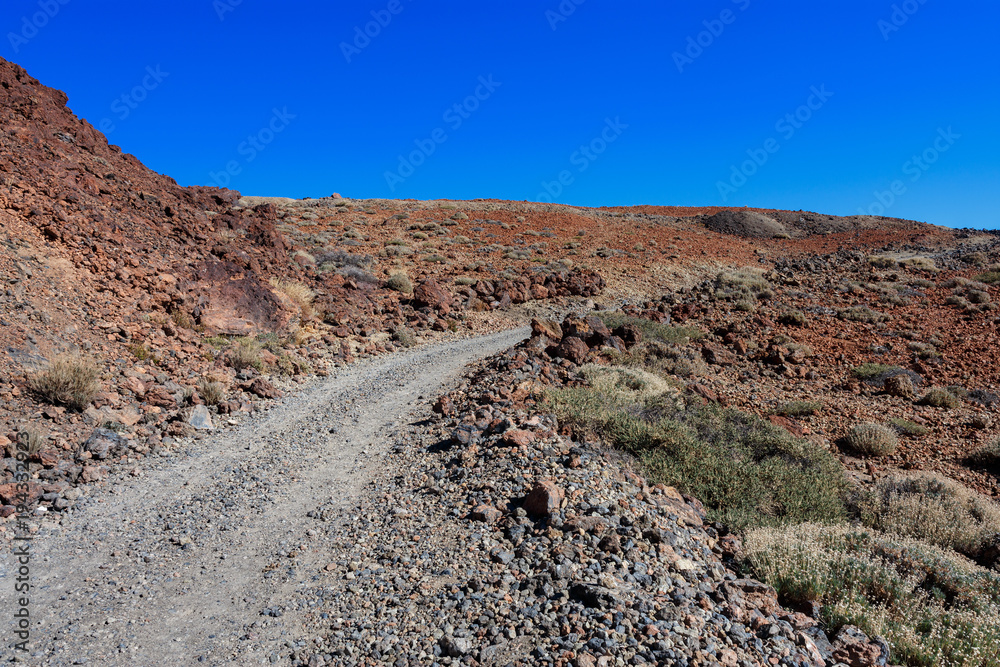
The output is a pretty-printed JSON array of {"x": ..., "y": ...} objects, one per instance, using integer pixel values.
[
  {"x": 69, "y": 380},
  {"x": 244, "y": 353},
  {"x": 746, "y": 471},
  {"x": 298, "y": 293},
  {"x": 211, "y": 391},
  {"x": 931, "y": 508},
  {"x": 400, "y": 282},
  {"x": 868, "y": 371},
  {"x": 862, "y": 314},
  {"x": 799, "y": 409},
  {"x": 987, "y": 455},
  {"x": 939, "y": 397},
  {"x": 872, "y": 439},
  {"x": 404, "y": 337},
  {"x": 933, "y": 606},
  {"x": 652, "y": 331},
  {"x": 794, "y": 318},
  {"x": 906, "y": 427}
]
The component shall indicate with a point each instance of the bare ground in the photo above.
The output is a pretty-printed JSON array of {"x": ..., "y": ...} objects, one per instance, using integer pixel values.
[{"x": 189, "y": 563}]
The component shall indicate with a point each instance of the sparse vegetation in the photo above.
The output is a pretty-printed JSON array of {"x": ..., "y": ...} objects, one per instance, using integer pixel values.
[
  {"x": 746, "y": 471},
  {"x": 868, "y": 371},
  {"x": 872, "y": 439},
  {"x": 862, "y": 314},
  {"x": 404, "y": 337},
  {"x": 298, "y": 293},
  {"x": 244, "y": 353},
  {"x": 987, "y": 455},
  {"x": 652, "y": 331},
  {"x": 933, "y": 606},
  {"x": 794, "y": 318},
  {"x": 69, "y": 380}
]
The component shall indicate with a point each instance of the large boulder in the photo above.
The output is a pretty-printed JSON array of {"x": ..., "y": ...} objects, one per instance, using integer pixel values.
[{"x": 429, "y": 294}]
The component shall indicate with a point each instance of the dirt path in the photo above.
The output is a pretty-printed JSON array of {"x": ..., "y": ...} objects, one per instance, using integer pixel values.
[{"x": 190, "y": 562}]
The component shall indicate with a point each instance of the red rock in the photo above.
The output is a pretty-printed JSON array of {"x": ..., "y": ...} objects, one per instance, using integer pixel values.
[
  {"x": 545, "y": 498},
  {"x": 93, "y": 473},
  {"x": 11, "y": 495},
  {"x": 784, "y": 422},
  {"x": 263, "y": 388},
  {"x": 718, "y": 355},
  {"x": 572, "y": 348},
  {"x": 136, "y": 386},
  {"x": 431, "y": 295},
  {"x": 704, "y": 392},
  {"x": 547, "y": 328},
  {"x": 159, "y": 396},
  {"x": 518, "y": 438},
  {"x": 444, "y": 406},
  {"x": 588, "y": 524}
]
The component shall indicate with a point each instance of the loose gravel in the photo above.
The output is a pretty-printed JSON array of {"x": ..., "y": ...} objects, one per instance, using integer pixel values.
[{"x": 193, "y": 560}]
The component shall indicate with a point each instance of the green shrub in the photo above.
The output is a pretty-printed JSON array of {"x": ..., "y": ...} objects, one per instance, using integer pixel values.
[
  {"x": 933, "y": 606},
  {"x": 746, "y": 471},
  {"x": 939, "y": 397},
  {"x": 465, "y": 281},
  {"x": 69, "y": 380},
  {"x": 987, "y": 455},
  {"x": 862, "y": 314},
  {"x": 400, "y": 282},
  {"x": 794, "y": 318},
  {"x": 799, "y": 409},
  {"x": 872, "y": 439},
  {"x": 990, "y": 277},
  {"x": 906, "y": 427},
  {"x": 652, "y": 331}
]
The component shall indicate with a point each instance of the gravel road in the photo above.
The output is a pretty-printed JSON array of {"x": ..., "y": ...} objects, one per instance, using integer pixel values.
[{"x": 190, "y": 561}]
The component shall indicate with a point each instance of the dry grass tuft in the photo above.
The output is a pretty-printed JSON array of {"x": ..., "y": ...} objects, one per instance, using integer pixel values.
[
  {"x": 70, "y": 380},
  {"x": 211, "y": 390},
  {"x": 298, "y": 293}
]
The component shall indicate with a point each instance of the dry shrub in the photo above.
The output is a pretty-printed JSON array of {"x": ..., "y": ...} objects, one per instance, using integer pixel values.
[
  {"x": 70, "y": 380},
  {"x": 872, "y": 439},
  {"x": 244, "y": 354},
  {"x": 211, "y": 390},
  {"x": 931, "y": 508},
  {"x": 298, "y": 293},
  {"x": 616, "y": 379},
  {"x": 933, "y": 606},
  {"x": 35, "y": 438}
]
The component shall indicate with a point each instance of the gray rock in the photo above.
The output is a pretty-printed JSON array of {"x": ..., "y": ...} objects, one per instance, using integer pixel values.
[{"x": 201, "y": 418}]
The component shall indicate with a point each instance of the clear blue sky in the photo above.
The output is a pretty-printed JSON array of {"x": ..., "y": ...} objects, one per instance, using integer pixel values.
[{"x": 619, "y": 100}]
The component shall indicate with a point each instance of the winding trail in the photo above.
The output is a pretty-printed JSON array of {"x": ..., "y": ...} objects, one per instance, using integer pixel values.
[{"x": 191, "y": 562}]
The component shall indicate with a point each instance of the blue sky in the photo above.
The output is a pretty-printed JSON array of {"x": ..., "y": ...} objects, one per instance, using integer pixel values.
[{"x": 838, "y": 107}]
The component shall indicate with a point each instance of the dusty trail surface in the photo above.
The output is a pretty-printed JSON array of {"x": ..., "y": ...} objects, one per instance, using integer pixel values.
[{"x": 191, "y": 561}]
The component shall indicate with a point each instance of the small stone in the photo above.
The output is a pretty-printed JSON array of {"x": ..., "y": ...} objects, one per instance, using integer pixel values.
[{"x": 544, "y": 499}]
